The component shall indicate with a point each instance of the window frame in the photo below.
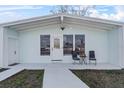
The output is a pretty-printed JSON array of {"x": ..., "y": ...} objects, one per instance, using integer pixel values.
[
  {"x": 72, "y": 43},
  {"x": 83, "y": 40},
  {"x": 49, "y": 45}
]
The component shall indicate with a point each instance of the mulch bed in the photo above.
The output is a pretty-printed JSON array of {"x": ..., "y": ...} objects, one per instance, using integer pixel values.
[
  {"x": 3, "y": 69},
  {"x": 101, "y": 78},
  {"x": 24, "y": 79}
]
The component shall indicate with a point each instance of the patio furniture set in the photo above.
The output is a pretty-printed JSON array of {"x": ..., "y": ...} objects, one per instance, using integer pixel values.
[{"x": 81, "y": 57}]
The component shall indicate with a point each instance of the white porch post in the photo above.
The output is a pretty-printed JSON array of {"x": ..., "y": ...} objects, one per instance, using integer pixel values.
[
  {"x": 121, "y": 46},
  {"x": 3, "y": 47}
]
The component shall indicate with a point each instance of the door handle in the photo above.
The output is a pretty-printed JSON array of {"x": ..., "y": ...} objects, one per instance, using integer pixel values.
[{"x": 15, "y": 52}]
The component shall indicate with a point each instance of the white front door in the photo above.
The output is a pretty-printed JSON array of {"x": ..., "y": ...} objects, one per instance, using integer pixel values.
[
  {"x": 12, "y": 51},
  {"x": 57, "y": 48}
]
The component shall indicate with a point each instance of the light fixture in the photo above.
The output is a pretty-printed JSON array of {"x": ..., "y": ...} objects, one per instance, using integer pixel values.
[{"x": 62, "y": 28}]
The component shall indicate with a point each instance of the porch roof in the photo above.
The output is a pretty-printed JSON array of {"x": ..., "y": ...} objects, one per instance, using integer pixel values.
[{"x": 60, "y": 19}]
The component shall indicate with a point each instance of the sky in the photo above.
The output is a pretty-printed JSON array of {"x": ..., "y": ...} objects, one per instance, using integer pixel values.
[{"x": 18, "y": 12}]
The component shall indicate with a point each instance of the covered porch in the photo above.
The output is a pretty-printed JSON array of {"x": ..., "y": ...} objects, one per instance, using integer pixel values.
[{"x": 22, "y": 42}]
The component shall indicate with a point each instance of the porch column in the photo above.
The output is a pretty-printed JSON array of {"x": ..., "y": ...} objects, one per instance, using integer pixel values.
[
  {"x": 122, "y": 49},
  {"x": 3, "y": 47},
  {"x": 121, "y": 46}
]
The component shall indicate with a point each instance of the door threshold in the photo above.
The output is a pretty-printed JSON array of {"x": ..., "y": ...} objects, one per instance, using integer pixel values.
[
  {"x": 13, "y": 64},
  {"x": 57, "y": 60}
]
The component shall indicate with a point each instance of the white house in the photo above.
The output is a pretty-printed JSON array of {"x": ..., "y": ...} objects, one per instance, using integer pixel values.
[{"x": 49, "y": 39}]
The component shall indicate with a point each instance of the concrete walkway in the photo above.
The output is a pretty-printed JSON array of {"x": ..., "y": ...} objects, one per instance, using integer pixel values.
[
  {"x": 56, "y": 75},
  {"x": 61, "y": 78}
]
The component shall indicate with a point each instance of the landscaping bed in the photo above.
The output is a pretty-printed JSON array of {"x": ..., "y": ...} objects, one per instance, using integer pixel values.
[
  {"x": 101, "y": 78},
  {"x": 24, "y": 79}
]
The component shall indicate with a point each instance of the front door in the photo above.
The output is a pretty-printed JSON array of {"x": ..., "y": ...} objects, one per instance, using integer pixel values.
[
  {"x": 12, "y": 51},
  {"x": 57, "y": 48}
]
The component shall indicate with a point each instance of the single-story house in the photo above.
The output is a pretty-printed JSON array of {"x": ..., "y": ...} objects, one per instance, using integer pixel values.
[{"x": 51, "y": 38}]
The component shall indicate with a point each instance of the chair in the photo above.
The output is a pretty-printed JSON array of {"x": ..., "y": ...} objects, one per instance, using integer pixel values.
[
  {"x": 92, "y": 56},
  {"x": 82, "y": 56},
  {"x": 75, "y": 56}
]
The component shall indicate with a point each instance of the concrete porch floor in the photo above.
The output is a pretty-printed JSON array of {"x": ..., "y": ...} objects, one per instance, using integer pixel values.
[
  {"x": 57, "y": 75},
  {"x": 101, "y": 66}
]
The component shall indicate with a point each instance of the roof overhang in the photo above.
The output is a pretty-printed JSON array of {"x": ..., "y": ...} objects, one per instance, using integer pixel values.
[{"x": 62, "y": 19}]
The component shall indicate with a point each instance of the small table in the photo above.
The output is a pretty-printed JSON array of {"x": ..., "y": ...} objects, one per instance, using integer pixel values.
[{"x": 83, "y": 59}]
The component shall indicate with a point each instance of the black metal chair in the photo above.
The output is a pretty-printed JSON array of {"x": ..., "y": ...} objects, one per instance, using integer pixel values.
[
  {"x": 75, "y": 56},
  {"x": 92, "y": 56}
]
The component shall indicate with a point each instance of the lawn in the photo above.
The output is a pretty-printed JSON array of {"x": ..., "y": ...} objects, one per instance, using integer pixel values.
[
  {"x": 24, "y": 79},
  {"x": 101, "y": 78}
]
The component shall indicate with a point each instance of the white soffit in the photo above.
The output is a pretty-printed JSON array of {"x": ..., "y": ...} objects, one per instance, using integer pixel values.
[{"x": 61, "y": 18}]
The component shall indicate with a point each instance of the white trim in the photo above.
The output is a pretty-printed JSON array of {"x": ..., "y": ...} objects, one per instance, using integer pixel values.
[
  {"x": 96, "y": 20},
  {"x": 64, "y": 15},
  {"x": 62, "y": 19},
  {"x": 28, "y": 20}
]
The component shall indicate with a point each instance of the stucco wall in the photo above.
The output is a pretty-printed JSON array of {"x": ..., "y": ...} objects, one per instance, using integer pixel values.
[{"x": 29, "y": 43}]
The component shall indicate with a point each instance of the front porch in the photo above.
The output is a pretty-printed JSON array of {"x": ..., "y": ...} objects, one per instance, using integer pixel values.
[
  {"x": 99, "y": 66},
  {"x": 25, "y": 42}
]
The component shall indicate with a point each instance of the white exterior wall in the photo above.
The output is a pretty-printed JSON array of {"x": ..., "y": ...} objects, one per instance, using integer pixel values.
[
  {"x": 115, "y": 43},
  {"x": 12, "y": 34},
  {"x": 29, "y": 42}
]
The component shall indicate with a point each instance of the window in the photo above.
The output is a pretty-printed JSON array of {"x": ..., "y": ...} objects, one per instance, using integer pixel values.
[
  {"x": 57, "y": 43},
  {"x": 79, "y": 42},
  {"x": 45, "y": 44},
  {"x": 68, "y": 44}
]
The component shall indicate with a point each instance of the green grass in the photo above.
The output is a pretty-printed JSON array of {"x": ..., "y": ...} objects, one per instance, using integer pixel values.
[
  {"x": 101, "y": 78},
  {"x": 24, "y": 79}
]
